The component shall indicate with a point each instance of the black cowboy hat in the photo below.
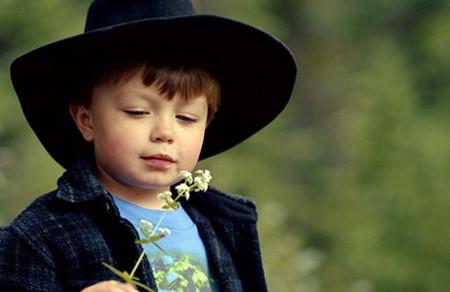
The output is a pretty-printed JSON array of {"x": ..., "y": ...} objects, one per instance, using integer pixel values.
[{"x": 256, "y": 71}]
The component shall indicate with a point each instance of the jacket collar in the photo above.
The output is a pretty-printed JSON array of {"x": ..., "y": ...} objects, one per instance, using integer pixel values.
[
  {"x": 79, "y": 183},
  {"x": 218, "y": 204}
]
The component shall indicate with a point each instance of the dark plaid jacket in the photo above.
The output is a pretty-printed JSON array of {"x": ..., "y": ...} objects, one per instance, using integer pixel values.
[{"x": 60, "y": 240}]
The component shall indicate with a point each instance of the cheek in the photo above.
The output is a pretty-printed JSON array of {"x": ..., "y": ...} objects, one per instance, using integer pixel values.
[
  {"x": 192, "y": 147},
  {"x": 113, "y": 146}
]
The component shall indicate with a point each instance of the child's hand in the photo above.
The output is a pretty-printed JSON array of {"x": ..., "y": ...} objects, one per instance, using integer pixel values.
[{"x": 110, "y": 286}]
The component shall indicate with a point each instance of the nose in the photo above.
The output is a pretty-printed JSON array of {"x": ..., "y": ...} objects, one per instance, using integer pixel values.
[{"x": 162, "y": 132}]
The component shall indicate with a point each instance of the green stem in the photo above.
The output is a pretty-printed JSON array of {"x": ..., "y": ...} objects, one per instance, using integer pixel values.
[
  {"x": 153, "y": 233},
  {"x": 159, "y": 222},
  {"x": 163, "y": 216},
  {"x": 177, "y": 198},
  {"x": 137, "y": 264}
]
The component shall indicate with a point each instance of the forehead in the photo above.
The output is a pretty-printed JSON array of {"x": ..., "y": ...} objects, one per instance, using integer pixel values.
[
  {"x": 132, "y": 88},
  {"x": 188, "y": 82}
]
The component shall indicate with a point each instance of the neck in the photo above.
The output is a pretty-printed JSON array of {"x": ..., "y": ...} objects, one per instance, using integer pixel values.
[{"x": 146, "y": 198}]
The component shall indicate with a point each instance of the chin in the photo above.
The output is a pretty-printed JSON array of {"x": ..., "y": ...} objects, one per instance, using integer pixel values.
[{"x": 154, "y": 185}]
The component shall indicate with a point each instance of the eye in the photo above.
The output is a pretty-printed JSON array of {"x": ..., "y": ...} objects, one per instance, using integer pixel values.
[
  {"x": 186, "y": 118},
  {"x": 136, "y": 113}
]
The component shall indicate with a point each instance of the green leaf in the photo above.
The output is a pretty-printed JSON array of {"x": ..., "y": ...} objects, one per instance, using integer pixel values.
[{"x": 123, "y": 275}]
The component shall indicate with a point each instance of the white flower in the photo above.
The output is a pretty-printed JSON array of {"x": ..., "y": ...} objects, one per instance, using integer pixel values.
[
  {"x": 164, "y": 232},
  {"x": 187, "y": 176},
  {"x": 206, "y": 176},
  {"x": 146, "y": 228},
  {"x": 183, "y": 190},
  {"x": 164, "y": 196},
  {"x": 202, "y": 179},
  {"x": 199, "y": 184},
  {"x": 146, "y": 224}
]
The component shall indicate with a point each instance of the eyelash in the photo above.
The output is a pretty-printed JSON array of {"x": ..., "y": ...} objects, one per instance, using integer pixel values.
[
  {"x": 136, "y": 113},
  {"x": 183, "y": 118},
  {"x": 186, "y": 119}
]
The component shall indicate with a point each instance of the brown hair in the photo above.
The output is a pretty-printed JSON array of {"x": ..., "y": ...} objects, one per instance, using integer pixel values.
[{"x": 188, "y": 81}]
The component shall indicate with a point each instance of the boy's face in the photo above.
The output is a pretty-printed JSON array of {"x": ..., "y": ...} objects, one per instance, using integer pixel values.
[{"x": 141, "y": 139}]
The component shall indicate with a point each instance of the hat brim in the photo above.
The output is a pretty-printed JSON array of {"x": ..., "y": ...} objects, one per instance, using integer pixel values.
[{"x": 257, "y": 73}]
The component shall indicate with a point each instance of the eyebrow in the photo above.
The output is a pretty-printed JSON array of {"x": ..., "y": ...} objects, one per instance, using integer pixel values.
[
  {"x": 140, "y": 94},
  {"x": 150, "y": 96}
]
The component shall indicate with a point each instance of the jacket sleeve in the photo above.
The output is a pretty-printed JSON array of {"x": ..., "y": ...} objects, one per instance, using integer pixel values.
[{"x": 23, "y": 267}]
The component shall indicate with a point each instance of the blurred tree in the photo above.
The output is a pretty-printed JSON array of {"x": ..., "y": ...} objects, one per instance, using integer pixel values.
[
  {"x": 23, "y": 161},
  {"x": 360, "y": 176}
]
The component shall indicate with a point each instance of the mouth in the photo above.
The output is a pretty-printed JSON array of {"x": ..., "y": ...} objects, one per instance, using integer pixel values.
[{"x": 159, "y": 161}]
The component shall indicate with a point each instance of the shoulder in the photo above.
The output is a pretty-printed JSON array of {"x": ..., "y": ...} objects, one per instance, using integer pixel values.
[
  {"x": 36, "y": 215},
  {"x": 234, "y": 199},
  {"x": 27, "y": 232},
  {"x": 230, "y": 206},
  {"x": 35, "y": 223}
]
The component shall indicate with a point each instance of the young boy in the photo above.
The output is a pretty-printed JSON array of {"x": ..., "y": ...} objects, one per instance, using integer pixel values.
[{"x": 150, "y": 88}]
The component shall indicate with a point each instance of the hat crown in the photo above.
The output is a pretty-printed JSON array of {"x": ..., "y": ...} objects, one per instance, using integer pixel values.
[{"x": 105, "y": 13}]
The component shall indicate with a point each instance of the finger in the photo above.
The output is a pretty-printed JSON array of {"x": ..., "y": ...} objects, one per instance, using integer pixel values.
[
  {"x": 124, "y": 287},
  {"x": 115, "y": 289},
  {"x": 110, "y": 286}
]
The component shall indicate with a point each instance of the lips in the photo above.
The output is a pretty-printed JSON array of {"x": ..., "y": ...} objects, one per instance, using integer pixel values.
[{"x": 159, "y": 161}]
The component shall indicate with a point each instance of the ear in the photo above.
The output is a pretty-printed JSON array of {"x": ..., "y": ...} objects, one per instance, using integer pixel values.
[{"x": 83, "y": 119}]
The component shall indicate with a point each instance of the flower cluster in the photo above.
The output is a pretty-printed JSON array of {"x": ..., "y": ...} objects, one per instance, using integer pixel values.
[
  {"x": 196, "y": 183},
  {"x": 150, "y": 235}
]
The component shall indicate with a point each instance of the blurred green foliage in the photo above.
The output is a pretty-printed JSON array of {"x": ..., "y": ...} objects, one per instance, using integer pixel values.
[{"x": 351, "y": 181}]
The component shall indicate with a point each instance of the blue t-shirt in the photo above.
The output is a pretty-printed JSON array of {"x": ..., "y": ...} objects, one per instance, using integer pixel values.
[{"x": 184, "y": 265}]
